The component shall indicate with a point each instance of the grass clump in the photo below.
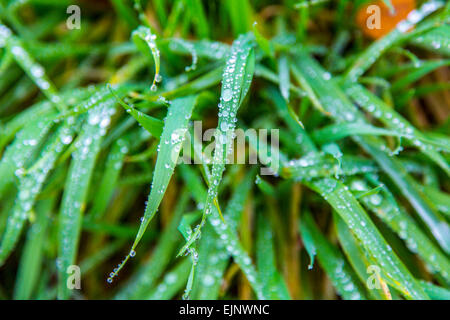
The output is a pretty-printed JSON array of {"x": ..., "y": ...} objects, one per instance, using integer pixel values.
[{"x": 352, "y": 196}]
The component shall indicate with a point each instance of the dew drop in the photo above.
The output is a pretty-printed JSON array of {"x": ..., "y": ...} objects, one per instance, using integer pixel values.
[{"x": 227, "y": 95}]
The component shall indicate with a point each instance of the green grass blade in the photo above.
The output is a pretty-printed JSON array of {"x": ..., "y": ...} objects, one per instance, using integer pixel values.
[
  {"x": 175, "y": 127},
  {"x": 31, "y": 260},
  {"x": 392, "y": 119},
  {"x": 342, "y": 110},
  {"x": 172, "y": 283},
  {"x": 355, "y": 255},
  {"x": 29, "y": 187},
  {"x": 435, "y": 40},
  {"x": 359, "y": 222},
  {"x": 236, "y": 80},
  {"x": 368, "y": 57},
  {"x": 213, "y": 257},
  {"x": 34, "y": 70},
  {"x": 113, "y": 166},
  {"x": 274, "y": 284},
  {"x": 333, "y": 262},
  {"x": 226, "y": 233},
  {"x": 385, "y": 207},
  {"x": 144, "y": 40},
  {"x": 147, "y": 275},
  {"x": 435, "y": 292},
  {"x": 76, "y": 189}
]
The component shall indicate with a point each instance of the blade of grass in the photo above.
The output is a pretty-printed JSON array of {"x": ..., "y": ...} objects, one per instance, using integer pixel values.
[
  {"x": 175, "y": 127},
  {"x": 332, "y": 261},
  {"x": 77, "y": 184},
  {"x": 359, "y": 222},
  {"x": 32, "y": 256},
  {"x": 236, "y": 80}
]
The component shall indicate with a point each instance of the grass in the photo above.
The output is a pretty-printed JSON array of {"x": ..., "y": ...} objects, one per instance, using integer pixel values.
[{"x": 92, "y": 123}]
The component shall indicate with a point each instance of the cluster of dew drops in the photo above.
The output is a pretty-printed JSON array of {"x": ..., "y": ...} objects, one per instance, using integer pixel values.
[
  {"x": 418, "y": 14},
  {"x": 151, "y": 41}
]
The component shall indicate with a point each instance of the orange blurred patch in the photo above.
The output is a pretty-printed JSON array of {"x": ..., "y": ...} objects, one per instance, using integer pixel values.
[{"x": 367, "y": 16}]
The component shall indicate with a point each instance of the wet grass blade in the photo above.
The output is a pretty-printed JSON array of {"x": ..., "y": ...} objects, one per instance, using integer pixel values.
[
  {"x": 317, "y": 165},
  {"x": 392, "y": 119},
  {"x": 435, "y": 40},
  {"x": 76, "y": 189},
  {"x": 383, "y": 204},
  {"x": 226, "y": 233},
  {"x": 368, "y": 57},
  {"x": 333, "y": 262},
  {"x": 151, "y": 124},
  {"x": 175, "y": 128},
  {"x": 435, "y": 292},
  {"x": 349, "y": 209},
  {"x": 145, "y": 40},
  {"x": 16, "y": 156},
  {"x": 30, "y": 184},
  {"x": 342, "y": 110},
  {"x": 34, "y": 70},
  {"x": 356, "y": 256},
  {"x": 213, "y": 257},
  {"x": 148, "y": 274},
  {"x": 236, "y": 80}
]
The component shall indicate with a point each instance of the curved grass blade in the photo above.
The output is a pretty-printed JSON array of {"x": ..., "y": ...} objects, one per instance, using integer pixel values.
[
  {"x": 225, "y": 231},
  {"x": 332, "y": 261},
  {"x": 144, "y": 40},
  {"x": 392, "y": 119},
  {"x": 175, "y": 128},
  {"x": 367, "y": 58},
  {"x": 357, "y": 257},
  {"x": 435, "y": 40},
  {"x": 394, "y": 272},
  {"x": 77, "y": 184},
  {"x": 384, "y": 206},
  {"x": 236, "y": 80},
  {"x": 152, "y": 125},
  {"x": 342, "y": 110}
]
